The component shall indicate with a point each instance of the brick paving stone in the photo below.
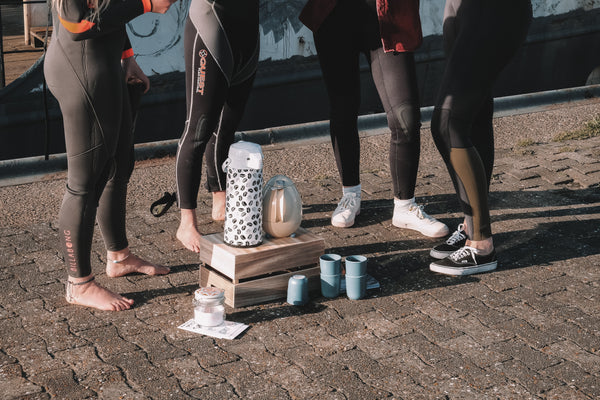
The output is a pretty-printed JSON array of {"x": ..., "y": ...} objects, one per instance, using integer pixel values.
[
  {"x": 482, "y": 356},
  {"x": 377, "y": 324},
  {"x": 326, "y": 344},
  {"x": 156, "y": 347},
  {"x": 590, "y": 385},
  {"x": 11, "y": 292},
  {"x": 26, "y": 244},
  {"x": 352, "y": 386},
  {"x": 118, "y": 390},
  {"x": 532, "y": 358},
  {"x": 19, "y": 388},
  {"x": 362, "y": 364},
  {"x": 135, "y": 366},
  {"x": 570, "y": 351},
  {"x": 531, "y": 315},
  {"x": 579, "y": 336},
  {"x": 12, "y": 370},
  {"x": 107, "y": 341},
  {"x": 298, "y": 385},
  {"x": 431, "y": 329},
  {"x": 533, "y": 381},
  {"x": 190, "y": 374},
  {"x": 312, "y": 364},
  {"x": 566, "y": 392},
  {"x": 376, "y": 347},
  {"x": 270, "y": 393},
  {"x": 48, "y": 261},
  {"x": 567, "y": 372},
  {"x": 484, "y": 335},
  {"x": 510, "y": 390},
  {"x": 536, "y": 338},
  {"x": 401, "y": 385},
  {"x": 475, "y": 377},
  {"x": 56, "y": 336},
  {"x": 256, "y": 355},
  {"x": 218, "y": 391},
  {"x": 61, "y": 383},
  {"x": 241, "y": 377},
  {"x": 165, "y": 388},
  {"x": 428, "y": 351}
]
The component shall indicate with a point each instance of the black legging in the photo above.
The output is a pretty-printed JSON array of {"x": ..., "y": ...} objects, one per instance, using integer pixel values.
[
  {"x": 84, "y": 73},
  {"x": 221, "y": 54},
  {"x": 352, "y": 28},
  {"x": 480, "y": 38}
]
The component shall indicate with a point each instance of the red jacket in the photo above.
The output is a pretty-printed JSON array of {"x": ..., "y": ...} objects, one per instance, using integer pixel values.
[{"x": 399, "y": 21}]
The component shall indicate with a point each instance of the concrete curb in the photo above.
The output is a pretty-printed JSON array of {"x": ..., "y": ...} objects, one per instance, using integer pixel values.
[{"x": 30, "y": 169}]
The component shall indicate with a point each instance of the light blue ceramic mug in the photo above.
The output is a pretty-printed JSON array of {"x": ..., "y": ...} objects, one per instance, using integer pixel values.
[
  {"x": 331, "y": 264},
  {"x": 356, "y": 286},
  {"x": 297, "y": 293},
  {"x": 356, "y": 265},
  {"x": 330, "y": 285}
]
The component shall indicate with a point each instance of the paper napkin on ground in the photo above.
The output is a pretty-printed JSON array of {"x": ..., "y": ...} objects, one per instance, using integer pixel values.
[{"x": 227, "y": 330}]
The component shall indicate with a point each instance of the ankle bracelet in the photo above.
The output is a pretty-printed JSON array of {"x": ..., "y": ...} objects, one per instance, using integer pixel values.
[
  {"x": 121, "y": 260},
  {"x": 81, "y": 283}
]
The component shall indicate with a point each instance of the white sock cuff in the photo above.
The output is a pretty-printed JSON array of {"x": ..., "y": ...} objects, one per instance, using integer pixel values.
[
  {"x": 352, "y": 189},
  {"x": 404, "y": 203}
]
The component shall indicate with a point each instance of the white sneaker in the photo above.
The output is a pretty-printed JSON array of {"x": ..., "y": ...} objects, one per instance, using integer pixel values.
[
  {"x": 416, "y": 219},
  {"x": 348, "y": 208}
]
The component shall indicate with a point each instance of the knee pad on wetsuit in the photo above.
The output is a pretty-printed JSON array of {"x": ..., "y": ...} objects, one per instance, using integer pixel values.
[
  {"x": 449, "y": 131},
  {"x": 405, "y": 122}
]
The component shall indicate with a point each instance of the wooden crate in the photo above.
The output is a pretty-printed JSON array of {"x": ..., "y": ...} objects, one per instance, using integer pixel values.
[
  {"x": 274, "y": 254},
  {"x": 37, "y": 35},
  {"x": 259, "y": 289}
]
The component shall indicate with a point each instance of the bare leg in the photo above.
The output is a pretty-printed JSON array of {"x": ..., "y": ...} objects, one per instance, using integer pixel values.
[
  {"x": 87, "y": 292},
  {"x": 123, "y": 262},
  {"x": 486, "y": 246},
  {"x": 218, "y": 205},
  {"x": 187, "y": 233}
]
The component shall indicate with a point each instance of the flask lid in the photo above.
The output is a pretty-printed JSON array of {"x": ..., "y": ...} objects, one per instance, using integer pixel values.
[{"x": 209, "y": 293}]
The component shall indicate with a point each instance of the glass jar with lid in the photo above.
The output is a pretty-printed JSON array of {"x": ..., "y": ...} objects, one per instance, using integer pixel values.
[{"x": 208, "y": 306}]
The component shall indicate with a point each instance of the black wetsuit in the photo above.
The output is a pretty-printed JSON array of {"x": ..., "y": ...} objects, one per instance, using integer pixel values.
[
  {"x": 221, "y": 54},
  {"x": 350, "y": 29},
  {"x": 84, "y": 73},
  {"x": 480, "y": 38}
]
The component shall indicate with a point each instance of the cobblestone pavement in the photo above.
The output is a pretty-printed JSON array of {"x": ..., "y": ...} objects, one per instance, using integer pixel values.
[{"x": 530, "y": 330}]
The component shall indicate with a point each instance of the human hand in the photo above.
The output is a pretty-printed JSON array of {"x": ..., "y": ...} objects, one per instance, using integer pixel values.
[
  {"x": 161, "y": 6},
  {"x": 134, "y": 74}
]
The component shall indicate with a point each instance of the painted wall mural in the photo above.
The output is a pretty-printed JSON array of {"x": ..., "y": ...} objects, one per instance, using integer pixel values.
[{"x": 158, "y": 39}]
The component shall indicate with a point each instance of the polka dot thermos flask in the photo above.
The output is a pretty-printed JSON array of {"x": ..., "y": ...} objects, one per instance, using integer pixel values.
[{"x": 243, "y": 207}]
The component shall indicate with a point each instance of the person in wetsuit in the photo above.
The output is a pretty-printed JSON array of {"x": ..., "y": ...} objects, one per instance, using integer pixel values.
[
  {"x": 387, "y": 33},
  {"x": 87, "y": 67},
  {"x": 480, "y": 38},
  {"x": 221, "y": 45}
]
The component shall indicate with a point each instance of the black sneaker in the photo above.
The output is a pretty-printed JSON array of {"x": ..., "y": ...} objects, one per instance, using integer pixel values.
[
  {"x": 453, "y": 243},
  {"x": 465, "y": 261}
]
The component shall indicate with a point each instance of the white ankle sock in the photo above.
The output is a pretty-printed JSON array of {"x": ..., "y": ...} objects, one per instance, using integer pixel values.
[
  {"x": 352, "y": 189},
  {"x": 403, "y": 204}
]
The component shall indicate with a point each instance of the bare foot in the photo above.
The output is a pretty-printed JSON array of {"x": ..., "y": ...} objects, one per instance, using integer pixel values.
[
  {"x": 218, "y": 205},
  {"x": 187, "y": 233},
  {"x": 91, "y": 294},
  {"x": 132, "y": 263}
]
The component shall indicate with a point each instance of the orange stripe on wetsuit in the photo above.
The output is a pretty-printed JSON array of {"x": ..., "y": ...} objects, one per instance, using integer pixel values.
[
  {"x": 77, "y": 27},
  {"x": 127, "y": 53},
  {"x": 147, "y": 5},
  {"x": 85, "y": 25}
]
